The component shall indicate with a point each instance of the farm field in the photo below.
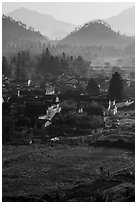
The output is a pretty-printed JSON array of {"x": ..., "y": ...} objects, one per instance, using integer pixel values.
[{"x": 38, "y": 170}]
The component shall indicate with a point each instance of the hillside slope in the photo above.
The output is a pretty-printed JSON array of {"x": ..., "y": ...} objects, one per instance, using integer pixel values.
[
  {"x": 15, "y": 35},
  {"x": 97, "y": 33}
]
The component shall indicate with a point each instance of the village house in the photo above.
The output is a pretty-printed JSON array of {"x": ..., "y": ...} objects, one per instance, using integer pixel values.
[{"x": 112, "y": 108}]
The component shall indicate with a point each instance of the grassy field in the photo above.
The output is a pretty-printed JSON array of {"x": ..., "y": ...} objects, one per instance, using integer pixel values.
[{"x": 39, "y": 169}]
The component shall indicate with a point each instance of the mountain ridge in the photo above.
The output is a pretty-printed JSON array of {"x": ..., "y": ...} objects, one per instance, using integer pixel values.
[
  {"x": 46, "y": 24},
  {"x": 124, "y": 22},
  {"x": 97, "y": 33}
]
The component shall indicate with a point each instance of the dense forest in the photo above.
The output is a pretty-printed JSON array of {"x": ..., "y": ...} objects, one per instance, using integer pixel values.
[{"x": 24, "y": 65}]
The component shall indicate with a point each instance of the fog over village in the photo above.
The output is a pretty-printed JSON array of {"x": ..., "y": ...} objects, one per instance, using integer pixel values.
[{"x": 68, "y": 102}]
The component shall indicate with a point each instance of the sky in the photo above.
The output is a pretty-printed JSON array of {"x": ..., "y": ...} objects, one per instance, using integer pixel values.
[{"x": 73, "y": 12}]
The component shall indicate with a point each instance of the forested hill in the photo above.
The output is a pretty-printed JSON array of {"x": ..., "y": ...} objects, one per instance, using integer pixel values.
[
  {"x": 15, "y": 34},
  {"x": 97, "y": 33},
  {"x": 46, "y": 24}
]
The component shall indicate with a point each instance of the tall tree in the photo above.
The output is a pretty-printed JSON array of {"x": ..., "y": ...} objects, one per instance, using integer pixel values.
[
  {"x": 18, "y": 71},
  {"x": 79, "y": 67},
  {"x": 115, "y": 91},
  {"x": 92, "y": 88},
  {"x": 5, "y": 67}
]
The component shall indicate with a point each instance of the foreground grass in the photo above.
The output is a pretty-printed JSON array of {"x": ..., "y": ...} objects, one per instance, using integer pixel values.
[{"x": 38, "y": 169}]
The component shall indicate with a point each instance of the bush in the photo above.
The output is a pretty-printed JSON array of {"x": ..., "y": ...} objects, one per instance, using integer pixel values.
[
  {"x": 97, "y": 121},
  {"x": 94, "y": 109},
  {"x": 74, "y": 119},
  {"x": 68, "y": 105}
]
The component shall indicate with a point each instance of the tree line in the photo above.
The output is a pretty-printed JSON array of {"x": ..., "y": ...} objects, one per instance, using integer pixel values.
[{"x": 25, "y": 66}]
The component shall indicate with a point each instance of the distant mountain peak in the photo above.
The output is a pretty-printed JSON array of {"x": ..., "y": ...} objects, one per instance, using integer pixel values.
[
  {"x": 46, "y": 24},
  {"x": 124, "y": 22},
  {"x": 23, "y": 9}
]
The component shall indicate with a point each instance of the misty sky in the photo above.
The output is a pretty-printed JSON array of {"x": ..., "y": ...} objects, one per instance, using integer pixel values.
[{"x": 75, "y": 13}]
